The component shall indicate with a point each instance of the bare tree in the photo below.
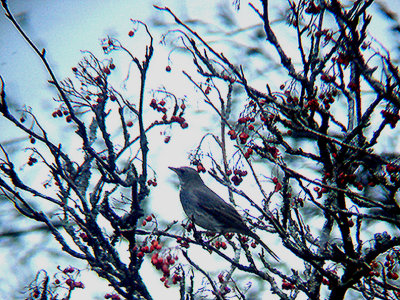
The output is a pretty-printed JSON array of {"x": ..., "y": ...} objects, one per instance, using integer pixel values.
[{"x": 325, "y": 131}]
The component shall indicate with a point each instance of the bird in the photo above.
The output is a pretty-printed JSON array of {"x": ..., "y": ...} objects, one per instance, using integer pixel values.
[{"x": 208, "y": 210}]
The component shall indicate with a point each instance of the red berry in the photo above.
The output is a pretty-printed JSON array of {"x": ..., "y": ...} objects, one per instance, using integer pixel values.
[
  {"x": 200, "y": 168},
  {"x": 131, "y": 33},
  {"x": 243, "y": 137},
  {"x": 232, "y": 134},
  {"x": 242, "y": 120},
  {"x": 393, "y": 275},
  {"x": 69, "y": 282},
  {"x": 168, "y": 68}
]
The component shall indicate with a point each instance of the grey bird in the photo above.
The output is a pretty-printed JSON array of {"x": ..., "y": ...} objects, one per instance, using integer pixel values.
[{"x": 206, "y": 209}]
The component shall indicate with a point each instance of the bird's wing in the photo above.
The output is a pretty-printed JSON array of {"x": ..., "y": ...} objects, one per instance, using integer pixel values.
[{"x": 225, "y": 213}]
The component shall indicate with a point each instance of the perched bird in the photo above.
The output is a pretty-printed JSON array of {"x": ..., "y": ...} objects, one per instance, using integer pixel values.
[{"x": 206, "y": 209}]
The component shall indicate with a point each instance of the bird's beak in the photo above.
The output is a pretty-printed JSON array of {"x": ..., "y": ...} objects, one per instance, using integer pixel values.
[{"x": 173, "y": 169}]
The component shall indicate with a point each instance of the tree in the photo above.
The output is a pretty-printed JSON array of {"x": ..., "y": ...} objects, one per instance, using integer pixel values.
[{"x": 311, "y": 155}]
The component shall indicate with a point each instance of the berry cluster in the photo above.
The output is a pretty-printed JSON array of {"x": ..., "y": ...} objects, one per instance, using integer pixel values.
[
  {"x": 31, "y": 161},
  {"x": 183, "y": 242},
  {"x": 84, "y": 237},
  {"x": 394, "y": 171},
  {"x": 160, "y": 107},
  {"x": 200, "y": 168},
  {"x": 227, "y": 78},
  {"x": 69, "y": 277},
  {"x": 328, "y": 78},
  {"x": 287, "y": 285},
  {"x": 327, "y": 98},
  {"x": 232, "y": 134},
  {"x": 154, "y": 245},
  {"x": 149, "y": 218},
  {"x": 374, "y": 269},
  {"x": 320, "y": 191},
  {"x": 219, "y": 244},
  {"x": 58, "y": 113},
  {"x": 243, "y": 136},
  {"x": 342, "y": 59},
  {"x": 389, "y": 266},
  {"x": 238, "y": 175},
  {"x": 327, "y": 34},
  {"x": 278, "y": 185},
  {"x": 344, "y": 179},
  {"x": 112, "y": 296},
  {"x": 248, "y": 153},
  {"x": 164, "y": 264},
  {"x": 152, "y": 182},
  {"x": 225, "y": 288},
  {"x": 65, "y": 280},
  {"x": 312, "y": 104},
  {"x": 390, "y": 117},
  {"x": 271, "y": 117}
]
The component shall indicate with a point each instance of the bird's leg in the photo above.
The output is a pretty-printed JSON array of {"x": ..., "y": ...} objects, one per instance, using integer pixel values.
[
  {"x": 197, "y": 235},
  {"x": 198, "y": 238},
  {"x": 214, "y": 237},
  {"x": 191, "y": 226}
]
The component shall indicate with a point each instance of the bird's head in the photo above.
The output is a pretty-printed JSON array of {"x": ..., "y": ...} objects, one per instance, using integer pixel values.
[{"x": 187, "y": 176}]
